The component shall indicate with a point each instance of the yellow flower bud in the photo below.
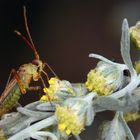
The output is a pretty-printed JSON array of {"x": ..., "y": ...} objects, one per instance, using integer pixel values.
[
  {"x": 2, "y": 135},
  {"x": 104, "y": 79},
  {"x": 61, "y": 127},
  {"x": 69, "y": 121},
  {"x": 137, "y": 66},
  {"x": 135, "y": 35},
  {"x": 44, "y": 98},
  {"x": 131, "y": 116},
  {"x": 56, "y": 86},
  {"x": 53, "y": 81}
]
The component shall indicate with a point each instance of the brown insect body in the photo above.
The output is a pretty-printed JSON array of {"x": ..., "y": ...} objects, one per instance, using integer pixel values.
[{"x": 11, "y": 95}]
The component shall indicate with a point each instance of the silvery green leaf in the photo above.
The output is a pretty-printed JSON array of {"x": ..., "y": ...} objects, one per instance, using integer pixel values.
[
  {"x": 117, "y": 129},
  {"x": 37, "y": 137},
  {"x": 126, "y": 80},
  {"x": 109, "y": 103},
  {"x": 63, "y": 95},
  {"x": 44, "y": 135},
  {"x": 89, "y": 108},
  {"x": 113, "y": 74},
  {"x": 9, "y": 118},
  {"x": 46, "y": 106},
  {"x": 31, "y": 113},
  {"x": 66, "y": 86},
  {"x": 79, "y": 89},
  {"x": 97, "y": 56},
  {"x": 125, "y": 126},
  {"x": 89, "y": 114},
  {"x": 103, "y": 128},
  {"x": 23, "y": 122},
  {"x": 125, "y": 46},
  {"x": 33, "y": 105},
  {"x": 100, "y": 57},
  {"x": 113, "y": 130},
  {"x": 136, "y": 94}
]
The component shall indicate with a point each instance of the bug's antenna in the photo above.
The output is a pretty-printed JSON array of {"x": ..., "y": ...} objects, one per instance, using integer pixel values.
[
  {"x": 25, "y": 39},
  {"x": 30, "y": 42},
  {"x": 28, "y": 33},
  {"x": 46, "y": 75},
  {"x": 51, "y": 70}
]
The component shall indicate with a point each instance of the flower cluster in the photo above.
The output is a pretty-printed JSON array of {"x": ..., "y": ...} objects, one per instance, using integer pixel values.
[
  {"x": 75, "y": 114},
  {"x": 104, "y": 79},
  {"x": 69, "y": 121},
  {"x": 56, "y": 86}
]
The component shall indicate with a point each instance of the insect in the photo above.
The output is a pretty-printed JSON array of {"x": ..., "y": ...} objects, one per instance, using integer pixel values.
[{"x": 20, "y": 83}]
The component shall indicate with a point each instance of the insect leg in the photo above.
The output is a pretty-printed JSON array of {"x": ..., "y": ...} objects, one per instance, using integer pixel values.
[
  {"x": 10, "y": 75},
  {"x": 9, "y": 84},
  {"x": 20, "y": 83}
]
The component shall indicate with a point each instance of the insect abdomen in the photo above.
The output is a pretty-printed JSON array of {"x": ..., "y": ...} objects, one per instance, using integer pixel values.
[{"x": 10, "y": 101}]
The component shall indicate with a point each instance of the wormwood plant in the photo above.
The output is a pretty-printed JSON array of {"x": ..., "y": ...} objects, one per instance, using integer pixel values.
[{"x": 66, "y": 108}]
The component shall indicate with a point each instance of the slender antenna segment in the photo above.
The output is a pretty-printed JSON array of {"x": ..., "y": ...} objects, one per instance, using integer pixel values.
[
  {"x": 31, "y": 43},
  {"x": 51, "y": 70},
  {"x": 46, "y": 75},
  {"x": 28, "y": 33},
  {"x": 25, "y": 39}
]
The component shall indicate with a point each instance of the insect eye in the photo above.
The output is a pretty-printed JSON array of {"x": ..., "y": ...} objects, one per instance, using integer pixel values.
[{"x": 35, "y": 62}]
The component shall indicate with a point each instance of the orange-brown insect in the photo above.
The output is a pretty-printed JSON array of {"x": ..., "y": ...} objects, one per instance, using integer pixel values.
[{"x": 23, "y": 77}]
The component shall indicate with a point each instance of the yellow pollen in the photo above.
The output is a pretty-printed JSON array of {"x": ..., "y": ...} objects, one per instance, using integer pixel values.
[
  {"x": 129, "y": 116},
  {"x": 96, "y": 82},
  {"x": 68, "y": 121}
]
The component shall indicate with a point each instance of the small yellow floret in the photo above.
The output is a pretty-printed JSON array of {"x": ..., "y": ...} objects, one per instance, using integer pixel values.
[
  {"x": 2, "y": 135},
  {"x": 137, "y": 66},
  {"x": 55, "y": 86},
  {"x": 68, "y": 132},
  {"x": 52, "y": 81},
  {"x": 131, "y": 116},
  {"x": 44, "y": 98},
  {"x": 68, "y": 121},
  {"x": 61, "y": 127},
  {"x": 135, "y": 35},
  {"x": 96, "y": 82},
  {"x": 50, "y": 92}
]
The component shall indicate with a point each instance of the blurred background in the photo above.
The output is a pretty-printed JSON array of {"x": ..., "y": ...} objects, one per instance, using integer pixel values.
[{"x": 65, "y": 32}]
